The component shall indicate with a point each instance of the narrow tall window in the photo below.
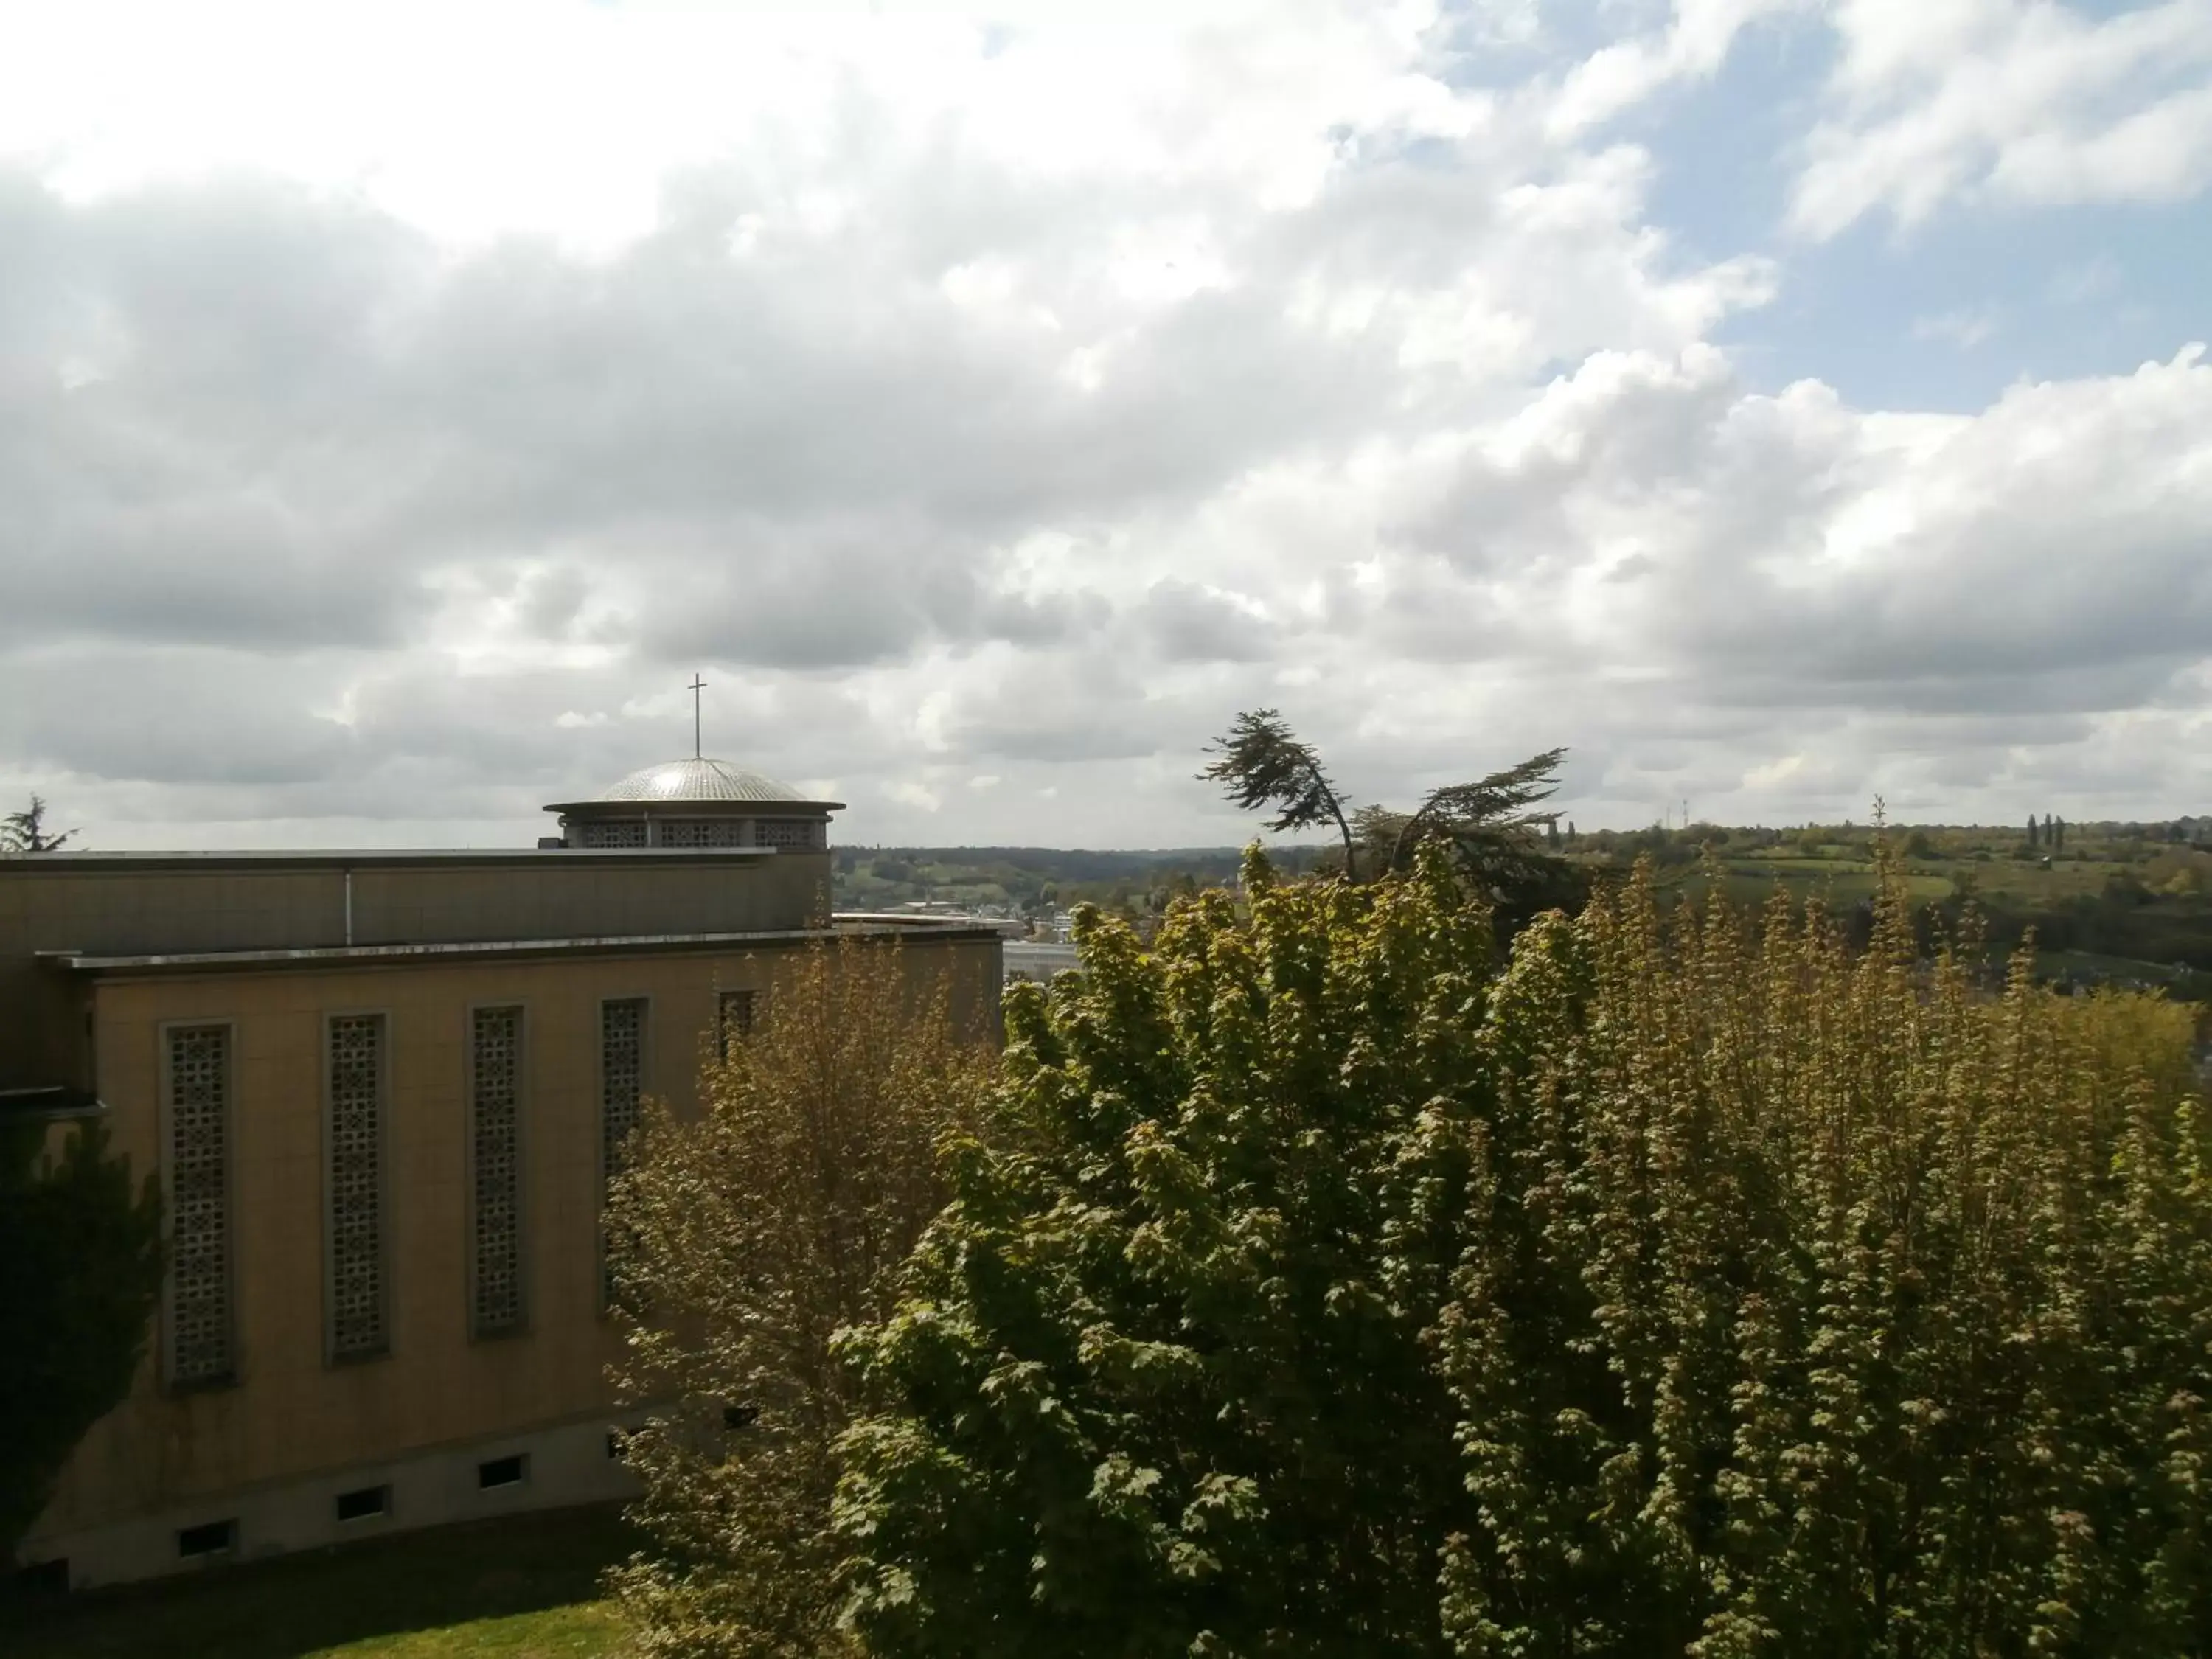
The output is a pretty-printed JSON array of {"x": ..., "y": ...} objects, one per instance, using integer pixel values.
[
  {"x": 622, "y": 1078},
  {"x": 202, "y": 1343},
  {"x": 354, "y": 1172},
  {"x": 495, "y": 1302},
  {"x": 734, "y": 1021}
]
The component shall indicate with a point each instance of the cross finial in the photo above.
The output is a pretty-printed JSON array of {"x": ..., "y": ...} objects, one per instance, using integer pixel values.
[{"x": 697, "y": 686}]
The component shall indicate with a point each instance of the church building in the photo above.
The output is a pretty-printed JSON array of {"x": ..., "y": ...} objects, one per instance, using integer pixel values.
[{"x": 382, "y": 1092}]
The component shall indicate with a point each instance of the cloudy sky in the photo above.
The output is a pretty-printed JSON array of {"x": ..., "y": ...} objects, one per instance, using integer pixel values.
[{"x": 1780, "y": 403}]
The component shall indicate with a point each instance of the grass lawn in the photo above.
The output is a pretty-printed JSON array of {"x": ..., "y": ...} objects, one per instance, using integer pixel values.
[{"x": 525, "y": 1587}]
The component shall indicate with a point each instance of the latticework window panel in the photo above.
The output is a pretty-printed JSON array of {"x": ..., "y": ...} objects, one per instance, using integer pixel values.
[
  {"x": 355, "y": 1175},
  {"x": 495, "y": 1295},
  {"x": 733, "y": 1018},
  {"x": 622, "y": 1076},
  {"x": 796, "y": 834},
  {"x": 622, "y": 1081},
  {"x": 621, "y": 833},
  {"x": 702, "y": 832},
  {"x": 201, "y": 1340}
]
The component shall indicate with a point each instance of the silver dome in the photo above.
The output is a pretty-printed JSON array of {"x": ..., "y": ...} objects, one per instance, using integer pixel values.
[{"x": 699, "y": 780}]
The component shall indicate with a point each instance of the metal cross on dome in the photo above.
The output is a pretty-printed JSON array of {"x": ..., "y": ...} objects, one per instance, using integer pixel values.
[{"x": 697, "y": 686}]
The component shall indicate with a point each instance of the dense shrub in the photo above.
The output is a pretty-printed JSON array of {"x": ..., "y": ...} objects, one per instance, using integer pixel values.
[
  {"x": 1823, "y": 1305},
  {"x": 1695, "y": 1288}
]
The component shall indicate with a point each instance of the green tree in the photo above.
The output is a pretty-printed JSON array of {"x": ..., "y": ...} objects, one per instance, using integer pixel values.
[
  {"x": 25, "y": 831},
  {"x": 1491, "y": 825},
  {"x": 742, "y": 1240},
  {"x": 2031, "y": 832},
  {"x": 1696, "y": 1287},
  {"x": 1262, "y": 764},
  {"x": 80, "y": 1268},
  {"x": 1160, "y": 1383}
]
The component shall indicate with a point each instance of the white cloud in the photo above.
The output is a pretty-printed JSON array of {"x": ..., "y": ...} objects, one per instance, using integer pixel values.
[
  {"x": 1692, "y": 46},
  {"x": 989, "y": 416},
  {"x": 1965, "y": 327},
  {"x": 2012, "y": 102}
]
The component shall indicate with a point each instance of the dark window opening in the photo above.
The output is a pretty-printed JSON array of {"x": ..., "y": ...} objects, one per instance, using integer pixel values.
[
  {"x": 503, "y": 1472},
  {"x": 735, "y": 1018},
  {"x": 615, "y": 1445},
  {"x": 739, "y": 1417},
  {"x": 209, "y": 1538},
  {"x": 364, "y": 1503}
]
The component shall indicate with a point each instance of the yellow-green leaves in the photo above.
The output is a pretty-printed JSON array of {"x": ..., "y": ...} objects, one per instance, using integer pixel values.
[{"x": 1699, "y": 1284}]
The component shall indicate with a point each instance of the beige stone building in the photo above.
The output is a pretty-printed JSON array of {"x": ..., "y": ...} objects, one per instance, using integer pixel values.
[{"x": 380, "y": 1091}]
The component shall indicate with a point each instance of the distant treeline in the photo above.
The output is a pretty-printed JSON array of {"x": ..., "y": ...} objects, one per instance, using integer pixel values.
[{"x": 1083, "y": 864}]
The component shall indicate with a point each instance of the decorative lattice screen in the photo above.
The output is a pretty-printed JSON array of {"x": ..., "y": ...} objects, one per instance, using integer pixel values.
[
  {"x": 495, "y": 1189},
  {"x": 702, "y": 832},
  {"x": 622, "y": 1079},
  {"x": 795, "y": 833},
  {"x": 201, "y": 1345},
  {"x": 354, "y": 1177},
  {"x": 621, "y": 833}
]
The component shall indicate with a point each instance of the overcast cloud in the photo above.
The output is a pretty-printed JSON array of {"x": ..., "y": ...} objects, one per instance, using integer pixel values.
[{"x": 398, "y": 404}]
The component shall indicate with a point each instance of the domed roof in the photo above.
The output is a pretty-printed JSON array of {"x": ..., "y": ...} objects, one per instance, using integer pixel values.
[{"x": 699, "y": 780}]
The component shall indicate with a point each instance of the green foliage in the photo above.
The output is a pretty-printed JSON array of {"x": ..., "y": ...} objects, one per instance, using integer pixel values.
[
  {"x": 1829, "y": 1305},
  {"x": 79, "y": 1266},
  {"x": 1490, "y": 826},
  {"x": 1160, "y": 1381},
  {"x": 1694, "y": 1288},
  {"x": 1262, "y": 764},
  {"x": 25, "y": 831},
  {"x": 742, "y": 1241}
]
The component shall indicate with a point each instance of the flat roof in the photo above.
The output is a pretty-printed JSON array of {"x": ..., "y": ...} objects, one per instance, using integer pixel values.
[
  {"x": 379, "y": 858},
  {"x": 372, "y": 955},
  {"x": 49, "y": 1102}
]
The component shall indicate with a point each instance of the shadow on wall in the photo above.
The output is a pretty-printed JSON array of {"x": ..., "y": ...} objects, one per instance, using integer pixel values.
[{"x": 306, "y": 1603}]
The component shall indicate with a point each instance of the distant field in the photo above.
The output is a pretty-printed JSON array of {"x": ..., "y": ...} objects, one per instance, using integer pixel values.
[
  {"x": 1836, "y": 881},
  {"x": 527, "y": 1587}
]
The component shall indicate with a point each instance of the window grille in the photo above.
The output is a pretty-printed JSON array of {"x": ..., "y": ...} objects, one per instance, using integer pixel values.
[
  {"x": 733, "y": 1018},
  {"x": 201, "y": 1339},
  {"x": 796, "y": 834},
  {"x": 702, "y": 832},
  {"x": 355, "y": 1174},
  {"x": 621, "y": 833},
  {"x": 496, "y": 1302},
  {"x": 622, "y": 1076}
]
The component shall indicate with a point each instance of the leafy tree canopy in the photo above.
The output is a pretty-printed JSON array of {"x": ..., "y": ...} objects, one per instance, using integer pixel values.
[
  {"x": 1690, "y": 1288},
  {"x": 743, "y": 1239}
]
